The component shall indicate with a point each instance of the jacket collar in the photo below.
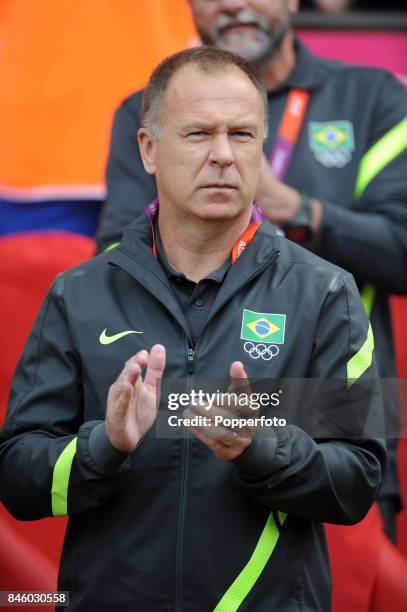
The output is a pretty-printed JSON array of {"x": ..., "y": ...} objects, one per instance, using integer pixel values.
[
  {"x": 135, "y": 256},
  {"x": 309, "y": 71},
  {"x": 137, "y": 244}
]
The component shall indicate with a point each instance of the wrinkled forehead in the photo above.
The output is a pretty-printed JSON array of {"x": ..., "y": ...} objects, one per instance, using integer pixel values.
[{"x": 227, "y": 92}]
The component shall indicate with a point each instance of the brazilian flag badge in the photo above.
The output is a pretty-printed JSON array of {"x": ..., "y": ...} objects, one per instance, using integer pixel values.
[
  {"x": 263, "y": 327},
  {"x": 331, "y": 135},
  {"x": 332, "y": 142}
]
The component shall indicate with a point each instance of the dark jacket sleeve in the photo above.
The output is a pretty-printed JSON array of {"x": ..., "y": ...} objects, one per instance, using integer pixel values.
[
  {"x": 46, "y": 467},
  {"x": 129, "y": 188},
  {"x": 333, "y": 480},
  {"x": 375, "y": 229}
]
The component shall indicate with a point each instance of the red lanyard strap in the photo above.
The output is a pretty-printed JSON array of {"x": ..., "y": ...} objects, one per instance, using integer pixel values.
[{"x": 288, "y": 131}]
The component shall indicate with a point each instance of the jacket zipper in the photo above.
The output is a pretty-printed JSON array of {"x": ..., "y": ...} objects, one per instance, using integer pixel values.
[
  {"x": 191, "y": 361},
  {"x": 191, "y": 354},
  {"x": 183, "y": 491}
]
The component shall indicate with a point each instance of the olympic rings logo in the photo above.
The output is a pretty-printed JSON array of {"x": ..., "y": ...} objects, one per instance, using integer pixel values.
[{"x": 265, "y": 351}]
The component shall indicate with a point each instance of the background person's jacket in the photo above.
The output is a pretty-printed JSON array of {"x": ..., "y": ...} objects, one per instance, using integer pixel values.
[
  {"x": 364, "y": 227},
  {"x": 170, "y": 527}
]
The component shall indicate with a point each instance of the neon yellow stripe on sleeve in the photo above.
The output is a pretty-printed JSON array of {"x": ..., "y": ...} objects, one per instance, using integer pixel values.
[
  {"x": 360, "y": 362},
  {"x": 367, "y": 295},
  {"x": 60, "y": 479},
  {"x": 111, "y": 246},
  {"x": 380, "y": 155},
  {"x": 249, "y": 575}
]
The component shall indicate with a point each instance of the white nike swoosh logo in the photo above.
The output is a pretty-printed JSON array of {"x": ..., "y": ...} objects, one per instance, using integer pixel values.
[{"x": 105, "y": 339}]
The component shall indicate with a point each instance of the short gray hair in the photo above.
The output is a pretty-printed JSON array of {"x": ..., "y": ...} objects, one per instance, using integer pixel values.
[{"x": 210, "y": 60}]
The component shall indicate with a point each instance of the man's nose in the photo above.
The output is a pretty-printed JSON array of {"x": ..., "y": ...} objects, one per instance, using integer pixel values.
[
  {"x": 232, "y": 7},
  {"x": 221, "y": 152}
]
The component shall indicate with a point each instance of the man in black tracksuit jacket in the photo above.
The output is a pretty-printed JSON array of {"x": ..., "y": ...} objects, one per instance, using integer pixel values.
[
  {"x": 361, "y": 184},
  {"x": 161, "y": 523}
]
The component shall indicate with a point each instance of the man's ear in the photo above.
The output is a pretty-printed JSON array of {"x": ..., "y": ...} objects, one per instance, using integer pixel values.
[{"x": 147, "y": 145}]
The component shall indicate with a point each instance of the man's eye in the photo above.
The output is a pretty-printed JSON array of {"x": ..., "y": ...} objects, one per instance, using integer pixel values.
[
  {"x": 242, "y": 135},
  {"x": 198, "y": 133}
]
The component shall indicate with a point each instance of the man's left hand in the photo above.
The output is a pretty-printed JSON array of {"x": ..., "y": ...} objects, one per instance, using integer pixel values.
[
  {"x": 279, "y": 202},
  {"x": 225, "y": 442}
]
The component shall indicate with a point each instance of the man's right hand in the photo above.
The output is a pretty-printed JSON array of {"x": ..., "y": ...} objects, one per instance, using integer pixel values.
[{"x": 132, "y": 401}]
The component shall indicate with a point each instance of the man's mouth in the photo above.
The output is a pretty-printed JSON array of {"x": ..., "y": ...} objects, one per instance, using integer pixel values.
[
  {"x": 238, "y": 26},
  {"x": 222, "y": 186}
]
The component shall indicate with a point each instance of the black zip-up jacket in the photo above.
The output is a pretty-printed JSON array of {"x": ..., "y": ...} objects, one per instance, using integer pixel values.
[
  {"x": 170, "y": 527},
  {"x": 362, "y": 182}
]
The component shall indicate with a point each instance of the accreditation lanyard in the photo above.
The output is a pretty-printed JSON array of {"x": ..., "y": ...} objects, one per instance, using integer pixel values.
[
  {"x": 239, "y": 245},
  {"x": 288, "y": 132}
]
